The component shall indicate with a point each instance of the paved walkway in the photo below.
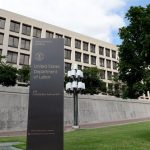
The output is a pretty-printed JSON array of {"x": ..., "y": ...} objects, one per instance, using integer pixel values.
[
  {"x": 85, "y": 126},
  {"x": 9, "y": 146},
  {"x": 106, "y": 124}
]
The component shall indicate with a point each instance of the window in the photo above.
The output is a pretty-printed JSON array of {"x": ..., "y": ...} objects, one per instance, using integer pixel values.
[
  {"x": 12, "y": 57},
  {"x": 92, "y": 48},
  {"x": 108, "y": 62},
  {"x": 113, "y": 54},
  {"x": 109, "y": 75},
  {"x": 67, "y": 41},
  {"x": 102, "y": 74},
  {"x": 26, "y": 29},
  {"x": 77, "y": 56},
  {"x": 101, "y": 50},
  {"x": 78, "y": 44},
  {"x": 2, "y": 23},
  {"x": 59, "y": 36},
  {"x": 25, "y": 44},
  {"x": 49, "y": 34},
  {"x": 93, "y": 60},
  {"x": 13, "y": 41},
  {"x": 79, "y": 67},
  {"x": 102, "y": 62},
  {"x": 14, "y": 26},
  {"x": 36, "y": 32},
  {"x": 24, "y": 59},
  {"x": 114, "y": 65},
  {"x": 67, "y": 54},
  {"x": 85, "y": 46},
  {"x": 85, "y": 58},
  {"x": 1, "y": 38},
  {"x": 107, "y": 52},
  {"x": 67, "y": 67}
]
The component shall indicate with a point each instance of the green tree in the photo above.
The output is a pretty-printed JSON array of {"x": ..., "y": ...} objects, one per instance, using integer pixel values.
[
  {"x": 93, "y": 83},
  {"x": 8, "y": 74},
  {"x": 146, "y": 81},
  {"x": 134, "y": 52},
  {"x": 117, "y": 86},
  {"x": 24, "y": 73}
]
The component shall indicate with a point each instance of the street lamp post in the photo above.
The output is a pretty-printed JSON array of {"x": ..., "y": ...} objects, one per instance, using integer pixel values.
[{"x": 75, "y": 85}]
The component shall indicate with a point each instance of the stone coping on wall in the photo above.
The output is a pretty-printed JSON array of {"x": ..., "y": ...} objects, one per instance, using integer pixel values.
[
  {"x": 17, "y": 89},
  {"x": 25, "y": 90},
  {"x": 109, "y": 98}
]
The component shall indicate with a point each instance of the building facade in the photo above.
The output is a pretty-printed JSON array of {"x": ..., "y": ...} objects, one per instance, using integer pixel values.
[{"x": 17, "y": 32}]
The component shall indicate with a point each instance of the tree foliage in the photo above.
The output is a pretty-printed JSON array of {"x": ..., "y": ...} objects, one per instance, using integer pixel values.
[
  {"x": 134, "y": 52},
  {"x": 93, "y": 83},
  {"x": 24, "y": 73},
  {"x": 8, "y": 74}
]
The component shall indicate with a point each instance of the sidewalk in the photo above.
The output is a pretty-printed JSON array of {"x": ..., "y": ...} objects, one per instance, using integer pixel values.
[{"x": 85, "y": 126}]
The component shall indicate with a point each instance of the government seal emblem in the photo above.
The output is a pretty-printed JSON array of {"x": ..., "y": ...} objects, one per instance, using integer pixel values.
[{"x": 39, "y": 56}]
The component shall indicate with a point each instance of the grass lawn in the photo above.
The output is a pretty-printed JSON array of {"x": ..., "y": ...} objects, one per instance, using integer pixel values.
[{"x": 124, "y": 137}]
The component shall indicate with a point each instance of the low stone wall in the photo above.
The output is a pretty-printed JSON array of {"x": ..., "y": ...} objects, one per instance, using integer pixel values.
[
  {"x": 92, "y": 109},
  {"x": 13, "y": 108},
  {"x": 99, "y": 109}
]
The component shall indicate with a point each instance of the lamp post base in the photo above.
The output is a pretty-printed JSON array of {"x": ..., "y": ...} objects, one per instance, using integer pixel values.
[{"x": 75, "y": 127}]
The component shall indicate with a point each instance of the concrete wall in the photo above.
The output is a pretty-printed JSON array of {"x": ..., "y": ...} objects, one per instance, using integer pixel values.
[
  {"x": 92, "y": 109},
  {"x": 13, "y": 108}
]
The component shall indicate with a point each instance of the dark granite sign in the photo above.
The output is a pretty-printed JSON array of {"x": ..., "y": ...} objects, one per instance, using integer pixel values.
[{"x": 45, "y": 115}]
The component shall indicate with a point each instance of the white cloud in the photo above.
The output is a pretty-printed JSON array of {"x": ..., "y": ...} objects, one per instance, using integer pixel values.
[{"x": 96, "y": 18}]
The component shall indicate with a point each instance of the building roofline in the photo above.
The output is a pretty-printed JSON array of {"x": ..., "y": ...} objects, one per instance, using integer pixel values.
[{"x": 61, "y": 28}]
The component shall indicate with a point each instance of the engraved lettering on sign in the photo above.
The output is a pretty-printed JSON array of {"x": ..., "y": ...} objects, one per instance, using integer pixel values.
[
  {"x": 47, "y": 93},
  {"x": 41, "y": 132},
  {"x": 44, "y": 72}
]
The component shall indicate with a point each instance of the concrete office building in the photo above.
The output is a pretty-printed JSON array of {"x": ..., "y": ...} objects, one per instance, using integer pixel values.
[{"x": 17, "y": 32}]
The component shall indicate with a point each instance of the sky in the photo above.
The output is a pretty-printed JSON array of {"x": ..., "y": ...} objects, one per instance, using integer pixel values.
[{"x": 100, "y": 19}]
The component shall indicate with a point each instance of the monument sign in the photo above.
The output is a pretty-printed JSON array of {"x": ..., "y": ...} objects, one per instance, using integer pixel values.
[{"x": 45, "y": 115}]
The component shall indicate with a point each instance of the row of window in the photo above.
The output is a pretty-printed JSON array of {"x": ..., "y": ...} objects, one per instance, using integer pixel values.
[
  {"x": 14, "y": 41},
  {"x": 24, "y": 60},
  {"x": 107, "y": 74},
  {"x": 107, "y": 52},
  {"x": 108, "y": 63},
  {"x": 68, "y": 67},
  {"x": 104, "y": 74},
  {"x": 67, "y": 55},
  {"x": 67, "y": 41},
  {"x": 12, "y": 58},
  {"x": 26, "y": 30},
  {"x": 86, "y": 59},
  {"x": 93, "y": 47},
  {"x": 85, "y": 45},
  {"x": 68, "y": 52},
  {"x": 15, "y": 27},
  {"x": 25, "y": 44}
]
